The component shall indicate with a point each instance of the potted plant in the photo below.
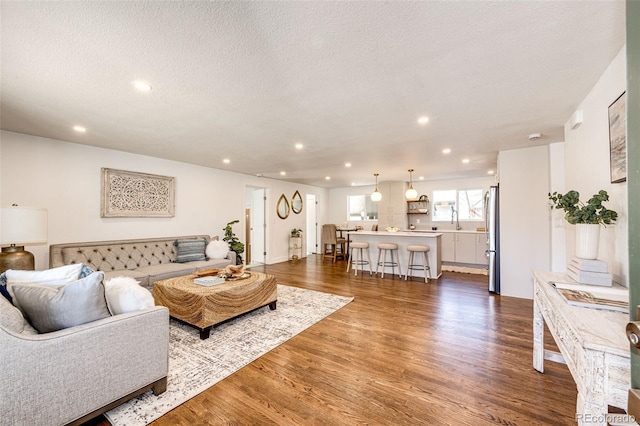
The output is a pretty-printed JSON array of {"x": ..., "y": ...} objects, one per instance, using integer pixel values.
[
  {"x": 587, "y": 217},
  {"x": 234, "y": 243},
  {"x": 296, "y": 232}
]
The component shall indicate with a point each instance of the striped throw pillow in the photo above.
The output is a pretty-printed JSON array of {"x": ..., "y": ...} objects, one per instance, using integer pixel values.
[{"x": 188, "y": 250}]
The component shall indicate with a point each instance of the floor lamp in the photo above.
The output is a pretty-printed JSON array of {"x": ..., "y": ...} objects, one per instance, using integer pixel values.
[{"x": 20, "y": 226}]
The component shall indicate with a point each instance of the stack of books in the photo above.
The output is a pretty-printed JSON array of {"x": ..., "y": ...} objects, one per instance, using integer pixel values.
[
  {"x": 208, "y": 281},
  {"x": 588, "y": 271},
  {"x": 588, "y": 296}
]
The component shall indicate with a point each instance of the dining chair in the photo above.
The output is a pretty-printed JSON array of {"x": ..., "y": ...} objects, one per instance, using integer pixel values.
[{"x": 331, "y": 242}]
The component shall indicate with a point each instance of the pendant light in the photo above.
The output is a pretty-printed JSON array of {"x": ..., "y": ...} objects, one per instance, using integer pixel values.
[
  {"x": 411, "y": 194},
  {"x": 376, "y": 196}
]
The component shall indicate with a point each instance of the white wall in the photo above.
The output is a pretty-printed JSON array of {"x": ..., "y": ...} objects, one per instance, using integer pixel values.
[
  {"x": 338, "y": 212},
  {"x": 65, "y": 178},
  {"x": 427, "y": 188},
  {"x": 524, "y": 218},
  {"x": 557, "y": 183},
  {"x": 587, "y": 167},
  {"x": 338, "y": 200}
]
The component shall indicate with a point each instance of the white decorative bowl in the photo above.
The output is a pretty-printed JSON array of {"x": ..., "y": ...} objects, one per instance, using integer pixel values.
[{"x": 423, "y": 210}]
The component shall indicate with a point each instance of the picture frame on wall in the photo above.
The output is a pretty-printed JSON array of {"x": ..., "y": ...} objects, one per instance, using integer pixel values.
[
  {"x": 618, "y": 139},
  {"x": 133, "y": 194}
]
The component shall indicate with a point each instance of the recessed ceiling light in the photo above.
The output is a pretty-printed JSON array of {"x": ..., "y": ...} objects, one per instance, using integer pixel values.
[
  {"x": 283, "y": 173},
  {"x": 299, "y": 146},
  {"x": 421, "y": 178},
  {"x": 423, "y": 120},
  {"x": 79, "y": 129},
  {"x": 142, "y": 86},
  {"x": 327, "y": 178},
  {"x": 353, "y": 184},
  {"x": 347, "y": 164},
  {"x": 226, "y": 161},
  {"x": 490, "y": 172},
  {"x": 446, "y": 151},
  {"x": 465, "y": 160}
]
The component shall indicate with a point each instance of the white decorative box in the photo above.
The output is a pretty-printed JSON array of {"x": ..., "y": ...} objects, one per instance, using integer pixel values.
[{"x": 208, "y": 281}]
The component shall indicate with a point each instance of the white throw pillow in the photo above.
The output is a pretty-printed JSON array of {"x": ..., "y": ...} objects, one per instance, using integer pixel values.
[
  {"x": 56, "y": 276},
  {"x": 217, "y": 249},
  {"x": 125, "y": 294}
]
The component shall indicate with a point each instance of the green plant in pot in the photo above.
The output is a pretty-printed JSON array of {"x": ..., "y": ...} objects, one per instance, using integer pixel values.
[
  {"x": 296, "y": 232},
  {"x": 234, "y": 243},
  {"x": 587, "y": 217}
]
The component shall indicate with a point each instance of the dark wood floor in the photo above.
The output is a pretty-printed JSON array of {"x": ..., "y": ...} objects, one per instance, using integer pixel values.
[{"x": 402, "y": 353}]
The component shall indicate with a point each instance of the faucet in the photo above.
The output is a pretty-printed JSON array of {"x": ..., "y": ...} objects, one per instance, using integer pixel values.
[{"x": 454, "y": 211}]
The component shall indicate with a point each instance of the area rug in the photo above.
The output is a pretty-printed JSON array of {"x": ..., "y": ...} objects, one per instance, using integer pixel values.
[{"x": 195, "y": 365}]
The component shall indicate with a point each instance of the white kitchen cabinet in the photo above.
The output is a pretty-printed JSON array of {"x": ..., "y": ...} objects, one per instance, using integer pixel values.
[
  {"x": 461, "y": 247},
  {"x": 465, "y": 248},
  {"x": 392, "y": 209},
  {"x": 448, "y": 247}
]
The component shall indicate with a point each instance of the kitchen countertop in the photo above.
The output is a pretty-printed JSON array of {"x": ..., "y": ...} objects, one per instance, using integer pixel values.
[
  {"x": 461, "y": 231},
  {"x": 398, "y": 233},
  {"x": 403, "y": 239}
]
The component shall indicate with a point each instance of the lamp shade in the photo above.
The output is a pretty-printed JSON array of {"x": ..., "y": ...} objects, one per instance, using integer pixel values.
[
  {"x": 376, "y": 195},
  {"x": 411, "y": 194},
  {"x": 23, "y": 225}
]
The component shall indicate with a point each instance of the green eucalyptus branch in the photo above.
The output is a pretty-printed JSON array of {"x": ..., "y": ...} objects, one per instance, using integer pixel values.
[{"x": 593, "y": 212}]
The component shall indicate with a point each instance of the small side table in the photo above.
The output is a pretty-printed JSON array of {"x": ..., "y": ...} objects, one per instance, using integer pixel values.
[{"x": 295, "y": 247}]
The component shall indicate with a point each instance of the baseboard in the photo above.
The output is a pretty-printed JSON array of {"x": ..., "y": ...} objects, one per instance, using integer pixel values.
[{"x": 465, "y": 268}]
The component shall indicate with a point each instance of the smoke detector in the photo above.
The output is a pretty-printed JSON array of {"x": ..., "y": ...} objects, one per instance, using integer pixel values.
[{"x": 535, "y": 136}]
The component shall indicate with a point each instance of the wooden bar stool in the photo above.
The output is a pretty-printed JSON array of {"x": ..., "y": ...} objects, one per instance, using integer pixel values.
[
  {"x": 359, "y": 247},
  {"x": 383, "y": 248},
  {"x": 418, "y": 248}
]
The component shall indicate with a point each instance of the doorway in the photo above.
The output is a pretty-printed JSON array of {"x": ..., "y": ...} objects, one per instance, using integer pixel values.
[
  {"x": 312, "y": 224},
  {"x": 256, "y": 225}
]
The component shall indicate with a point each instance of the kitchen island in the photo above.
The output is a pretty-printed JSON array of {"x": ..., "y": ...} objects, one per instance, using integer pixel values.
[{"x": 403, "y": 239}]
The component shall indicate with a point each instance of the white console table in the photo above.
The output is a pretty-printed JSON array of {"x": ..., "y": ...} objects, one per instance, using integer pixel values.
[{"x": 592, "y": 343}]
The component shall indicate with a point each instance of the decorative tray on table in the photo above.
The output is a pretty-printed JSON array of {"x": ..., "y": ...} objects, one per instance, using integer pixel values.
[
  {"x": 207, "y": 273},
  {"x": 244, "y": 275}
]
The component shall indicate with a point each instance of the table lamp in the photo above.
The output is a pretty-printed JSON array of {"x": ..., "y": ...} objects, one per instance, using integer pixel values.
[{"x": 20, "y": 226}]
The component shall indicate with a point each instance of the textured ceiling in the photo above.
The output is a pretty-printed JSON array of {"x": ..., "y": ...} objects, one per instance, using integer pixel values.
[{"x": 248, "y": 80}]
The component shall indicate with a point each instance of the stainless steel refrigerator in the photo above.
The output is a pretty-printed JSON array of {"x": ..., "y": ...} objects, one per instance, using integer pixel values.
[{"x": 492, "y": 230}]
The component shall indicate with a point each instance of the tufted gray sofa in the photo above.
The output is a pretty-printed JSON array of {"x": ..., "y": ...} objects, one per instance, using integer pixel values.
[{"x": 146, "y": 260}]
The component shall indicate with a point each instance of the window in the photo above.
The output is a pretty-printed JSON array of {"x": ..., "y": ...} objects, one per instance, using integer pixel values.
[
  {"x": 360, "y": 207},
  {"x": 467, "y": 203}
]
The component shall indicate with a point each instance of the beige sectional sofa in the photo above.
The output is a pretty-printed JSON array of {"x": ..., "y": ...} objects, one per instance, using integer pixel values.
[{"x": 147, "y": 260}]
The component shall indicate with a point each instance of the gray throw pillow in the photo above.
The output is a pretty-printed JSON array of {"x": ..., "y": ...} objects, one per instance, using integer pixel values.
[
  {"x": 190, "y": 249},
  {"x": 50, "y": 308},
  {"x": 12, "y": 319}
]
